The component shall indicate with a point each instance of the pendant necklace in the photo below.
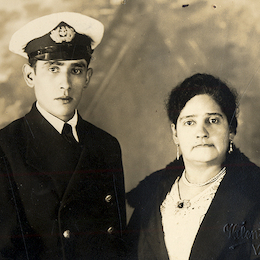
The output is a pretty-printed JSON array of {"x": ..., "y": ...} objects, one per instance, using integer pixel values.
[
  {"x": 182, "y": 203},
  {"x": 186, "y": 203}
]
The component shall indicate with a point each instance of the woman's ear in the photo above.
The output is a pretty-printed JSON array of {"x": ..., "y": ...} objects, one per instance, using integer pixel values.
[
  {"x": 174, "y": 134},
  {"x": 28, "y": 74},
  {"x": 88, "y": 76},
  {"x": 231, "y": 136}
]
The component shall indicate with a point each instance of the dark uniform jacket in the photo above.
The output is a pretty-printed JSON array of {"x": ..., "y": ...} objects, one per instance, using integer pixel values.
[
  {"x": 59, "y": 200},
  {"x": 230, "y": 229}
]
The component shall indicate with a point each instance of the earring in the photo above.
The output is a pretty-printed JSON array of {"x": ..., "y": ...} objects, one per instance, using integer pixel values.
[
  {"x": 230, "y": 147},
  {"x": 178, "y": 152}
]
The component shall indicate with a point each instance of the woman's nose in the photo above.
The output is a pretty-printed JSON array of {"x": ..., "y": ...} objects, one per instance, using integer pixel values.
[{"x": 202, "y": 131}]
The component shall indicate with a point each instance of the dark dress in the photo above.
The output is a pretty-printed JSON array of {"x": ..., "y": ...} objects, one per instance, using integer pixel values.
[
  {"x": 230, "y": 229},
  {"x": 60, "y": 200}
]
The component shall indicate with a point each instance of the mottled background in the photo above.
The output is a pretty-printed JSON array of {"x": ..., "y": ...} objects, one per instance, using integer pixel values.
[{"x": 148, "y": 47}]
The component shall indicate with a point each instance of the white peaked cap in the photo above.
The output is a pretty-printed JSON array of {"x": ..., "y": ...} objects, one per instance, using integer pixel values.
[{"x": 39, "y": 27}]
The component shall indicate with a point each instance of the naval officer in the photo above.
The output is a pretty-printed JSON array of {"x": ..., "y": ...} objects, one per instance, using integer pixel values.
[{"x": 61, "y": 178}]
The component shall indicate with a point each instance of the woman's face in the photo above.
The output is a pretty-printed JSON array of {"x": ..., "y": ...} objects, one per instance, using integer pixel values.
[{"x": 202, "y": 131}]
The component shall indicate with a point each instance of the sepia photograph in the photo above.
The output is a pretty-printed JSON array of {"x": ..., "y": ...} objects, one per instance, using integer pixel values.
[{"x": 130, "y": 129}]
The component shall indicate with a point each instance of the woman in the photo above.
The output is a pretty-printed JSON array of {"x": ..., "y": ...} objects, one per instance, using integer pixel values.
[{"x": 206, "y": 204}]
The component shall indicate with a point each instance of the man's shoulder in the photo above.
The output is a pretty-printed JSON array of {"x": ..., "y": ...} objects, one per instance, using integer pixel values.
[
  {"x": 96, "y": 132},
  {"x": 99, "y": 141},
  {"x": 12, "y": 127},
  {"x": 17, "y": 126},
  {"x": 13, "y": 137}
]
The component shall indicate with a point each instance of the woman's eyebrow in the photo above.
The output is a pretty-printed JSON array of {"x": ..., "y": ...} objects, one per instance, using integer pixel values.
[
  {"x": 215, "y": 114},
  {"x": 208, "y": 114},
  {"x": 185, "y": 117}
]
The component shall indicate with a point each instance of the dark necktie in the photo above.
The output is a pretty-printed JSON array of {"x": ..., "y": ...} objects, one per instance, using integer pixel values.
[{"x": 67, "y": 134}]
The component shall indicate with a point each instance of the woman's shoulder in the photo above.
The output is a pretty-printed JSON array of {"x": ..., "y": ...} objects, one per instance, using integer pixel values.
[
  {"x": 241, "y": 162},
  {"x": 144, "y": 189},
  {"x": 243, "y": 172},
  {"x": 161, "y": 179}
]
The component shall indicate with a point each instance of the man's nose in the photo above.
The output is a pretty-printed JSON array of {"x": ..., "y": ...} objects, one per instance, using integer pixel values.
[{"x": 65, "y": 81}]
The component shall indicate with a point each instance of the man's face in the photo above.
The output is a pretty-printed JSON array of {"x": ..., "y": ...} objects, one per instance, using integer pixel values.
[{"x": 59, "y": 85}]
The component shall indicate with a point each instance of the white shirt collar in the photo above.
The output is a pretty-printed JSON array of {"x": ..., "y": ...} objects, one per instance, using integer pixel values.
[{"x": 58, "y": 123}]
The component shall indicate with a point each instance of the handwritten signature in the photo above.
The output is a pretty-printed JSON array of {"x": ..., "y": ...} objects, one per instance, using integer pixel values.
[{"x": 239, "y": 231}]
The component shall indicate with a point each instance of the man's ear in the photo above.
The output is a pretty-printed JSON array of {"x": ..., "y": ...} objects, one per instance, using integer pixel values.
[
  {"x": 28, "y": 74},
  {"x": 174, "y": 134},
  {"x": 88, "y": 76}
]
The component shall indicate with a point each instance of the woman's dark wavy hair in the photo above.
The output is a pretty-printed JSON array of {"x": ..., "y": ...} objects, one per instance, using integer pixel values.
[{"x": 199, "y": 84}]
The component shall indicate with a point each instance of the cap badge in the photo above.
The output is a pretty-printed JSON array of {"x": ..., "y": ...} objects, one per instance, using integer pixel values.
[{"x": 62, "y": 34}]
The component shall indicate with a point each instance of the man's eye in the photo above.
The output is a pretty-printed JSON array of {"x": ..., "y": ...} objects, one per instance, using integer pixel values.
[
  {"x": 53, "y": 69},
  {"x": 76, "y": 71}
]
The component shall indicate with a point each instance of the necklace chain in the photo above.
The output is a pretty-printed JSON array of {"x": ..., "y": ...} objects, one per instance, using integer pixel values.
[
  {"x": 214, "y": 178},
  {"x": 182, "y": 203},
  {"x": 186, "y": 203}
]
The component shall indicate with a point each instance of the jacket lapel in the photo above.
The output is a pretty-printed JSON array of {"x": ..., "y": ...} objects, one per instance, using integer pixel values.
[
  {"x": 41, "y": 135},
  {"x": 48, "y": 152},
  {"x": 154, "y": 232},
  {"x": 229, "y": 206},
  {"x": 90, "y": 163}
]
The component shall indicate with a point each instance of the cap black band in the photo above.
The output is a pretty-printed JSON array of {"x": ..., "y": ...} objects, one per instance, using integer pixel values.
[{"x": 64, "y": 51}]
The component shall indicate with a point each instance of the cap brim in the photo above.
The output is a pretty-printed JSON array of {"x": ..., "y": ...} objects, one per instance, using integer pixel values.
[{"x": 37, "y": 28}]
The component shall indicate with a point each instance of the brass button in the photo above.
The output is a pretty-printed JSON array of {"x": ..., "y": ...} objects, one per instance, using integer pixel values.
[
  {"x": 108, "y": 198},
  {"x": 66, "y": 234},
  {"x": 110, "y": 230}
]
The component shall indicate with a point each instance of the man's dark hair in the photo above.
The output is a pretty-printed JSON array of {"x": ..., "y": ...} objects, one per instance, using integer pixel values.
[{"x": 32, "y": 63}]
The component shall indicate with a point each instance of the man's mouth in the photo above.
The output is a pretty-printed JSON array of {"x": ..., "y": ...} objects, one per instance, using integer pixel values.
[{"x": 65, "y": 99}]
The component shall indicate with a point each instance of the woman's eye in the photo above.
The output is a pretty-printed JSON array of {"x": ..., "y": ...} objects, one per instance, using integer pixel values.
[
  {"x": 213, "y": 120},
  {"x": 189, "y": 123}
]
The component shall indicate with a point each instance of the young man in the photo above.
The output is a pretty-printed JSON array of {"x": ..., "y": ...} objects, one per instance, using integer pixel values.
[{"x": 61, "y": 178}]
